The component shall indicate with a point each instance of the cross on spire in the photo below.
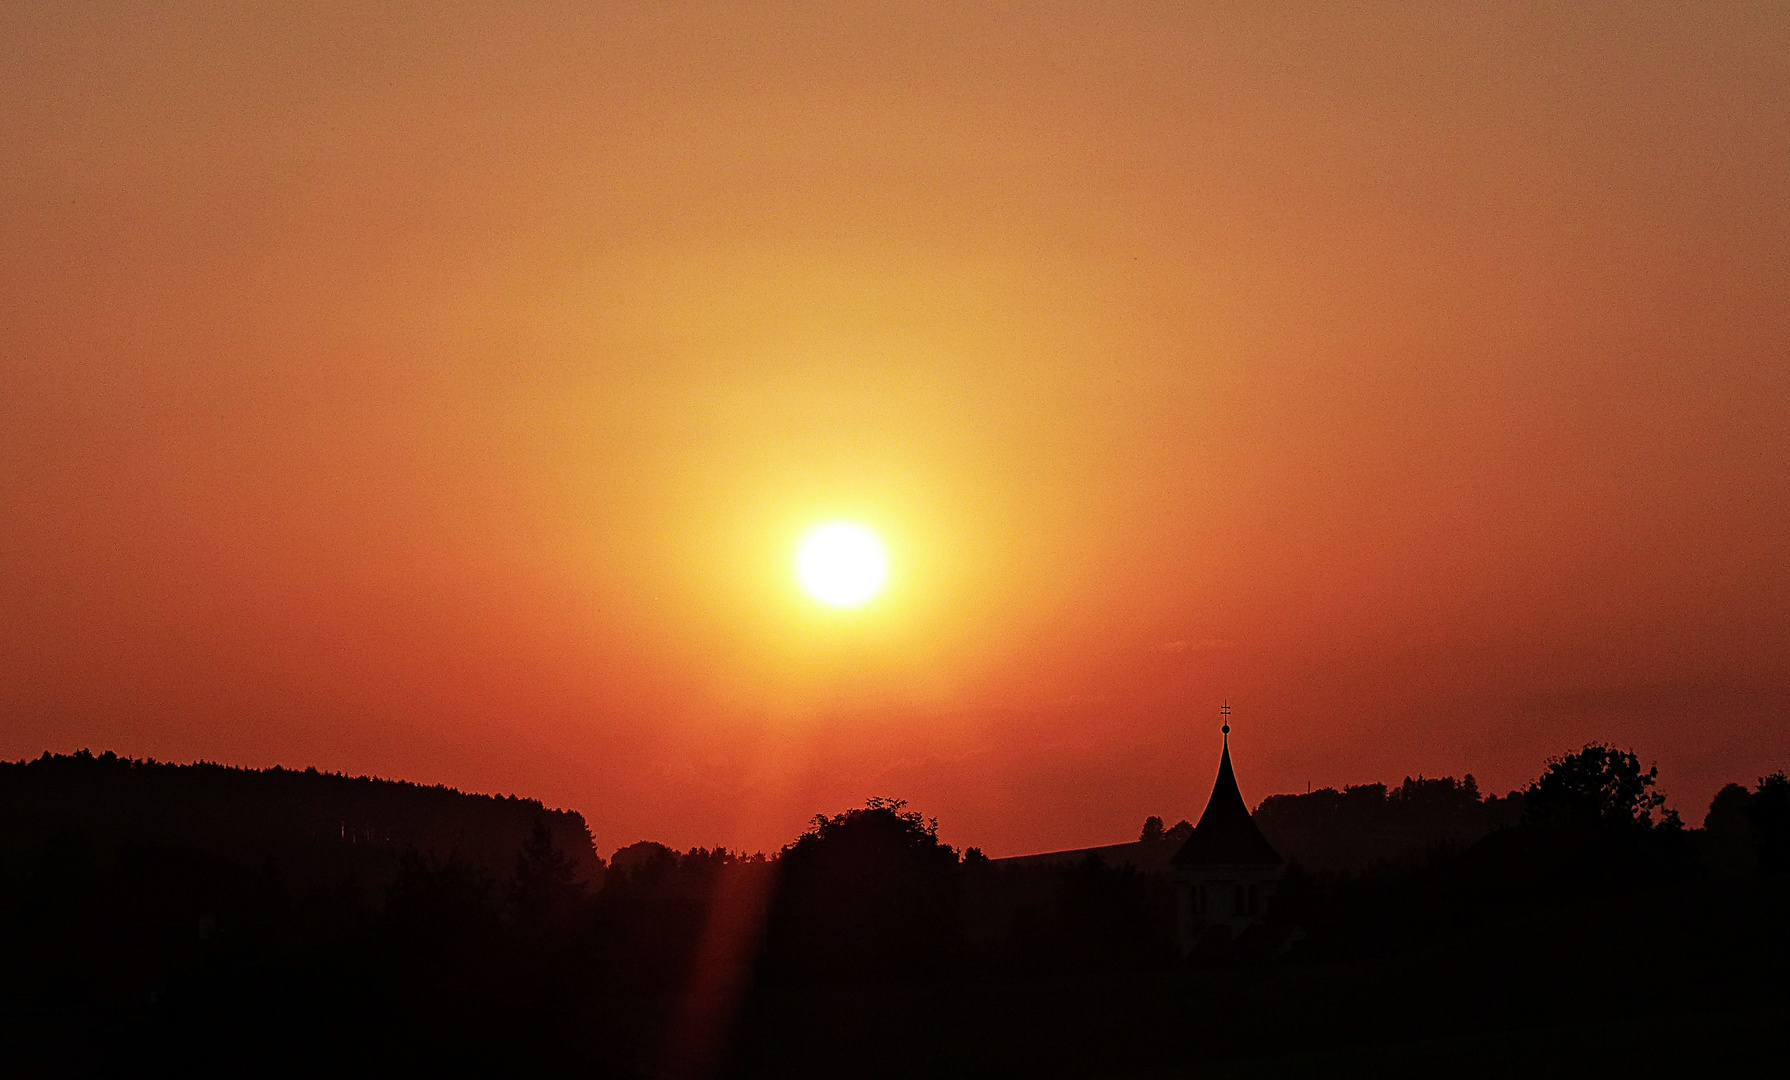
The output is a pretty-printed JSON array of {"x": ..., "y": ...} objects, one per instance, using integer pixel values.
[{"x": 1225, "y": 712}]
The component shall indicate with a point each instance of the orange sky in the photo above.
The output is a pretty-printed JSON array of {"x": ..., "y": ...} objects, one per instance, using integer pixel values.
[{"x": 438, "y": 392}]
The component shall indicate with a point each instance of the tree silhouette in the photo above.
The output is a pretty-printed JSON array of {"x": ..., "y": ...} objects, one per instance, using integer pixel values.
[
  {"x": 1728, "y": 811},
  {"x": 1597, "y": 785},
  {"x": 869, "y": 891},
  {"x": 1768, "y": 812},
  {"x": 545, "y": 889}
]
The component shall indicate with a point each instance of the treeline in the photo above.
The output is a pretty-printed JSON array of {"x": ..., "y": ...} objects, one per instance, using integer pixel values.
[
  {"x": 314, "y": 829},
  {"x": 1591, "y": 832},
  {"x": 124, "y": 957},
  {"x": 1749, "y": 831},
  {"x": 868, "y": 947},
  {"x": 1363, "y": 825},
  {"x": 1367, "y": 826}
]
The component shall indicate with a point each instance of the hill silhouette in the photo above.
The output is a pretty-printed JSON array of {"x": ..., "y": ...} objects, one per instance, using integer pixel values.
[{"x": 313, "y": 828}]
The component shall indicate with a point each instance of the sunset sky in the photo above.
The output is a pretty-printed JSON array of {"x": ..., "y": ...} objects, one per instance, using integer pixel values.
[{"x": 440, "y": 392}]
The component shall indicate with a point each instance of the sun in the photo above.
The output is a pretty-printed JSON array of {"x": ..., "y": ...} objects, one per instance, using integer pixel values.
[{"x": 841, "y": 564}]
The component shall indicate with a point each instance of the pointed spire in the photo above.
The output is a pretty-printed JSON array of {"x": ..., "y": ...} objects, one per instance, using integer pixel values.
[
  {"x": 1227, "y": 799},
  {"x": 1226, "y": 833}
]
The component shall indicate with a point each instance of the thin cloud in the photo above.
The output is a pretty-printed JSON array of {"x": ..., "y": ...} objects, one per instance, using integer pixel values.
[{"x": 1192, "y": 645}]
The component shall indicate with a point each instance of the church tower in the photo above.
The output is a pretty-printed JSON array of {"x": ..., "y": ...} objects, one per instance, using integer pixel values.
[{"x": 1227, "y": 871}]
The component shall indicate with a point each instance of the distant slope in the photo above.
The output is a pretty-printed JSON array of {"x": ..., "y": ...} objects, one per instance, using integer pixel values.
[
  {"x": 1366, "y": 825},
  {"x": 1146, "y": 856},
  {"x": 314, "y": 828}
]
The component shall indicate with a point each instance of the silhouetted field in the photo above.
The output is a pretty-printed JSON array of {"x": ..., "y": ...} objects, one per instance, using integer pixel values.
[{"x": 1582, "y": 933}]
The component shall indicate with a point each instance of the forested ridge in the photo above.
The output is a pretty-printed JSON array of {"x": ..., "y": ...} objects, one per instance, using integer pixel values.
[{"x": 315, "y": 827}]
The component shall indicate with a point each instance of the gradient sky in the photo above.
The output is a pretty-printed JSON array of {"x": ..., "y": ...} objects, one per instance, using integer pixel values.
[{"x": 438, "y": 391}]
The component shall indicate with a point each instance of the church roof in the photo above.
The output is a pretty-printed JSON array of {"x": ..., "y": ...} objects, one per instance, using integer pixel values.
[{"x": 1226, "y": 835}]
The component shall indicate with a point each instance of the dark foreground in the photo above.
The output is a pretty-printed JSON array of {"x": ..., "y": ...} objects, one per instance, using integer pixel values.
[
  {"x": 1663, "y": 984},
  {"x": 1555, "y": 946},
  {"x": 1678, "y": 982}
]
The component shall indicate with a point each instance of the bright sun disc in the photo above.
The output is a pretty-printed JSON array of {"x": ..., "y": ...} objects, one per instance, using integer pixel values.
[{"x": 841, "y": 564}]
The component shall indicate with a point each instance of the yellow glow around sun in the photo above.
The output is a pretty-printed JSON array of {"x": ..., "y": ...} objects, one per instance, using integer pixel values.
[{"x": 841, "y": 564}]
